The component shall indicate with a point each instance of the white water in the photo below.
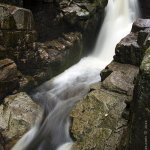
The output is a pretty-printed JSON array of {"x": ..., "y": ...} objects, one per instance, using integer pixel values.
[{"x": 120, "y": 15}]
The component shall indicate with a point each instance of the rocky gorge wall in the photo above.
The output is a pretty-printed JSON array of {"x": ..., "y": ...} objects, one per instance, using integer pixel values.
[
  {"x": 36, "y": 59},
  {"x": 31, "y": 53},
  {"x": 115, "y": 113}
]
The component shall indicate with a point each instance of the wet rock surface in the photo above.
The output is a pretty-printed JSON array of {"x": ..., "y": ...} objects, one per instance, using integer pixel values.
[
  {"x": 131, "y": 49},
  {"x": 16, "y": 24},
  {"x": 66, "y": 16},
  {"x": 140, "y": 24},
  {"x": 17, "y": 115}
]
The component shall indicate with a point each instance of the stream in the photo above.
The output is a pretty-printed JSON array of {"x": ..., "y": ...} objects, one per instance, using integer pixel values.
[{"x": 60, "y": 94}]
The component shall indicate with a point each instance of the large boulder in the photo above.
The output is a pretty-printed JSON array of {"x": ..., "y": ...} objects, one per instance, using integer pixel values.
[
  {"x": 95, "y": 124},
  {"x": 130, "y": 50},
  {"x": 144, "y": 38},
  {"x": 126, "y": 69},
  {"x": 16, "y": 24},
  {"x": 140, "y": 24},
  {"x": 15, "y": 18},
  {"x": 86, "y": 16},
  {"x": 8, "y": 77},
  {"x": 119, "y": 82},
  {"x": 17, "y": 115}
]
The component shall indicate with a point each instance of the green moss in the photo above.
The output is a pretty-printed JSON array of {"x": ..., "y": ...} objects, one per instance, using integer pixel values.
[{"x": 145, "y": 66}]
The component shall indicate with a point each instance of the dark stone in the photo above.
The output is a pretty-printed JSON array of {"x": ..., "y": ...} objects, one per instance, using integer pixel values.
[
  {"x": 128, "y": 51},
  {"x": 140, "y": 24},
  {"x": 15, "y": 18},
  {"x": 143, "y": 38},
  {"x": 17, "y": 114}
]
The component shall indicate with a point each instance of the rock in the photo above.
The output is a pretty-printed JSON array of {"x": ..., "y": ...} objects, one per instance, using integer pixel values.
[
  {"x": 45, "y": 60},
  {"x": 85, "y": 16},
  {"x": 140, "y": 24},
  {"x": 74, "y": 13},
  {"x": 17, "y": 115},
  {"x": 144, "y": 38},
  {"x": 7, "y": 21},
  {"x": 16, "y": 18},
  {"x": 131, "y": 49},
  {"x": 118, "y": 82},
  {"x": 140, "y": 110},
  {"x": 16, "y": 24},
  {"x": 124, "y": 68},
  {"x": 128, "y": 51},
  {"x": 8, "y": 77},
  {"x": 97, "y": 120}
]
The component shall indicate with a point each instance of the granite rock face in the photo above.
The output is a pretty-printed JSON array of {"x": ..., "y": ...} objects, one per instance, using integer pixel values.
[
  {"x": 85, "y": 16},
  {"x": 17, "y": 115},
  {"x": 140, "y": 24}
]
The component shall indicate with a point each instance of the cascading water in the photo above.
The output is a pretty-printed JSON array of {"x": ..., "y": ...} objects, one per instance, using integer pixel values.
[{"x": 58, "y": 96}]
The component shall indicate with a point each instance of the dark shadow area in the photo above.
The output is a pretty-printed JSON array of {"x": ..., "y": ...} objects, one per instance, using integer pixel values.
[{"x": 48, "y": 22}]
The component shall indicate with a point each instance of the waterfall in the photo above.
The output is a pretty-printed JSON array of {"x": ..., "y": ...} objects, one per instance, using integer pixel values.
[{"x": 58, "y": 96}]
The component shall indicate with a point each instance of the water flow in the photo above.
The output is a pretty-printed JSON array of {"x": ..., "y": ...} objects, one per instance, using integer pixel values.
[{"x": 59, "y": 95}]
